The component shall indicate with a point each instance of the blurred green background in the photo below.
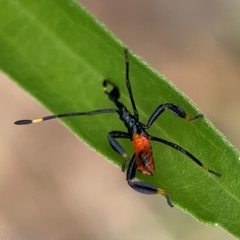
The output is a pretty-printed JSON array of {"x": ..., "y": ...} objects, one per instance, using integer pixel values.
[{"x": 55, "y": 187}]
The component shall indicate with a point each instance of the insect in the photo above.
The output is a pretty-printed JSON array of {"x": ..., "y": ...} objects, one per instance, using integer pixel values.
[{"x": 142, "y": 159}]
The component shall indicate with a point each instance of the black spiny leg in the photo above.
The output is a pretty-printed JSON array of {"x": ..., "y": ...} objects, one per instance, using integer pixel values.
[
  {"x": 185, "y": 152},
  {"x": 143, "y": 187},
  {"x": 174, "y": 109},
  {"x": 116, "y": 146}
]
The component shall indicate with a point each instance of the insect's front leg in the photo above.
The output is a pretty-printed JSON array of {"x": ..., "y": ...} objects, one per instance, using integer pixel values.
[
  {"x": 174, "y": 109},
  {"x": 116, "y": 146},
  {"x": 143, "y": 187}
]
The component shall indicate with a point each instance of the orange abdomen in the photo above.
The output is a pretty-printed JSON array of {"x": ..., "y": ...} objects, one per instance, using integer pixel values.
[{"x": 143, "y": 154}]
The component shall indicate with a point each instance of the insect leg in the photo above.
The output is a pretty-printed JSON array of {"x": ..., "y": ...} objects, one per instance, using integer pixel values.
[
  {"x": 114, "y": 94},
  {"x": 116, "y": 146},
  {"x": 143, "y": 187},
  {"x": 185, "y": 152},
  {"x": 74, "y": 114},
  {"x": 174, "y": 109}
]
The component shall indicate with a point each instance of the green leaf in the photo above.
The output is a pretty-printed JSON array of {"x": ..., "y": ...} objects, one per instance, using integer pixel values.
[{"x": 60, "y": 54}]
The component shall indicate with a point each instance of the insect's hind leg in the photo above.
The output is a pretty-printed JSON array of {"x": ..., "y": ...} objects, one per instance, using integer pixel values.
[
  {"x": 143, "y": 187},
  {"x": 114, "y": 93},
  {"x": 186, "y": 153}
]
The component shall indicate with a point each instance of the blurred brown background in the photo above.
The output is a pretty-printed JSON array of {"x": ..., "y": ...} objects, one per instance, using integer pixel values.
[{"x": 55, "y": 187}]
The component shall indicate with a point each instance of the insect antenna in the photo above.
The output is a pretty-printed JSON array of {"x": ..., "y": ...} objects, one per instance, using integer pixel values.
[{"x": 73, "y": 114}]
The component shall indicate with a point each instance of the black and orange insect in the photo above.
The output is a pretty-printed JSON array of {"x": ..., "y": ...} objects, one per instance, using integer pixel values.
[{"x": 142, "y": 159}]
